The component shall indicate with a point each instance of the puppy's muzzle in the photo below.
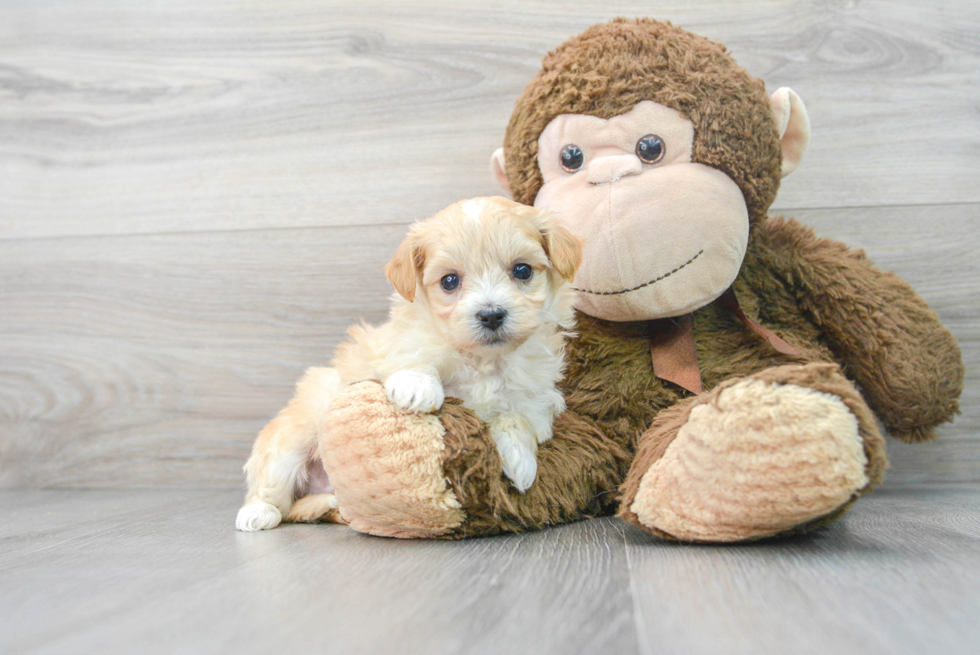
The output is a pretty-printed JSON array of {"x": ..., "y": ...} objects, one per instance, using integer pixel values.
[{"x": 492, "y": 319}]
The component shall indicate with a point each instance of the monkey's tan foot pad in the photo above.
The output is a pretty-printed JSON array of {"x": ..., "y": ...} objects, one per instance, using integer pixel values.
[
  {"x": 758, "y": 458},
  {"x": 385, "y": 466}
]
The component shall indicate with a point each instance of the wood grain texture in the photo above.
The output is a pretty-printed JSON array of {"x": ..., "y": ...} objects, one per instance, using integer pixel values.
[
  {"x": 148, "y": 360},
  {"x": 196, "y": 199},
  {"x": 165, "y": 572},
  {"x": 121, "y": 117},
  {"x": 154, "y": 359},
  {"x": 900, "y": 574}
]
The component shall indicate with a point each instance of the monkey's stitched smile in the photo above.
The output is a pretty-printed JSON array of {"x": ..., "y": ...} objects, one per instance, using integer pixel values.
[{"x": 645, "y": 284}]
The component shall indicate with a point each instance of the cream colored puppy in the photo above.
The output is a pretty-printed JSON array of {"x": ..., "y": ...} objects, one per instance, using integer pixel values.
[{"x": 482, "y": 311}]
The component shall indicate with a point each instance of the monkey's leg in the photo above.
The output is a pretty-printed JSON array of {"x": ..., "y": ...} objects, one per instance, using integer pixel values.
[
  {"x": 784, "y": 450},
  {"x": 401, "y": 474}
]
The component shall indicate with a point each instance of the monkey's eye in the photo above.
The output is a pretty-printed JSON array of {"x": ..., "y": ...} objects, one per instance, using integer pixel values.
[
  {"x": 449, "y": 282},
  {"x": 572, "y": 158},
  {"x": 650, "y": 149},
  {"x": 523, "y": 271}
]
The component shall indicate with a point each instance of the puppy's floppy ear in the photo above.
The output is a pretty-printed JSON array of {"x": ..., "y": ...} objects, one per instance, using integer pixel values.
[
  {"x": 405, "y": 268},
  {"x": 563, "y": 248}
]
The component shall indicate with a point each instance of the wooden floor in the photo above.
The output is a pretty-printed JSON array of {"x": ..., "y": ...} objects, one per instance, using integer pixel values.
[
  {"x": 163, "y": 572},
  {"x": 196, "y": 199}
]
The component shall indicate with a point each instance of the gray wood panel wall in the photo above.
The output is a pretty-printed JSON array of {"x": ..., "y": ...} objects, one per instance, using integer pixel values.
[{"x": 197, "y": 198}]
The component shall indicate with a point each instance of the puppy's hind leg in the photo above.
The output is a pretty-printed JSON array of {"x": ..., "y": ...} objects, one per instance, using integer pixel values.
[{"x": 278, "y": 464}]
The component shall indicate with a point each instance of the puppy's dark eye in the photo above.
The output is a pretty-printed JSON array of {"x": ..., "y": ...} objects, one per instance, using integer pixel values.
[
  {"x": 449, "y": 282},
  {"x": 650, "y": 149},
  {"x": 523, "y": 272},
  {"x": 572, "y": 158}
]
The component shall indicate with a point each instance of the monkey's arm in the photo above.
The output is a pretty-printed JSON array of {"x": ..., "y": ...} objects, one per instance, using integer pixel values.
[
  {"x": 887, "y": 338},
  {"x": 403, "y": 474},
  {"x": 578, "y": 472}
]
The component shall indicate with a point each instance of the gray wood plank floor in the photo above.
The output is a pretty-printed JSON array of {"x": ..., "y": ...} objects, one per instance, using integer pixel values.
[{"x": 164, "y": 572}]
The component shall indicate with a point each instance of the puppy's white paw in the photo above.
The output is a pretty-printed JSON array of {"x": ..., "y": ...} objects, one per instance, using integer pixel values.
[
  {"x": 415, "y": 391},
  {"x": 258, "y": 516},
  {"x": 520, "y": 464}
]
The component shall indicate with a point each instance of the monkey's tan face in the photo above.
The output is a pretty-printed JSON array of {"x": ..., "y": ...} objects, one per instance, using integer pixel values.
[{"x": 663, "y": 235}]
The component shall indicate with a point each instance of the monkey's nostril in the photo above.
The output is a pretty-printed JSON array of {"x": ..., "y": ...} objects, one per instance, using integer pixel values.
[
  {"x": 612, "y": 167},
  {"x": 492, "y": 319}
]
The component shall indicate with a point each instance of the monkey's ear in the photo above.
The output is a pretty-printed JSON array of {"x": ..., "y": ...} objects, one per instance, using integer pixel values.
[
  {"x": 793, "y": 126},
  {"x": 498, "y": 168},
  {"x": 563, "y": 248},
  {"x": 405, "y": 267}
]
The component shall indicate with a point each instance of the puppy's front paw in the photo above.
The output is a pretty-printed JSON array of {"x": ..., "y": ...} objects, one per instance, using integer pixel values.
[
  {"x": 415, "y": 391},
  {"x": 258, "y": 516},
  {"x": 519, "y": 462},
  {"x": 516, "y": 445}
]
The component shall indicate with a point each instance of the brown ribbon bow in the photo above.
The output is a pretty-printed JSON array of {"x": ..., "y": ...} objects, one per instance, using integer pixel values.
[{"x": 672, "y": 348}]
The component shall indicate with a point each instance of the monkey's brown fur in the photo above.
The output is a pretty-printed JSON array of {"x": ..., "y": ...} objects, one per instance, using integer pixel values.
[
  {"x": 854, "y": 325},
  {"x": 827, "y": 301},
  {"x": 614, "y": 397}
]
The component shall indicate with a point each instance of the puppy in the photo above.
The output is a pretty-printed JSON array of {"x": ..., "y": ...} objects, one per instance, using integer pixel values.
[{"x": 481, "y": 314}]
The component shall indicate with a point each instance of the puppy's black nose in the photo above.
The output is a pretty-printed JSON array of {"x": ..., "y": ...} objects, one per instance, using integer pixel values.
[{"x": 492, "y": 318}]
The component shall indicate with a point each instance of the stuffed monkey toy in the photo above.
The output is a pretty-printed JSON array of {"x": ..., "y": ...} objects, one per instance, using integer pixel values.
[{"x": 730, "y": 370}]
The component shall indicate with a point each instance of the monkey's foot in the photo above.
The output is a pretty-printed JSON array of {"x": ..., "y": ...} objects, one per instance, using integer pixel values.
[{"x": 755, "y": 457}]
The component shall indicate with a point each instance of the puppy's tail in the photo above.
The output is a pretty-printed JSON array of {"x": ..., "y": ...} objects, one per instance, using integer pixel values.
[{"x": 315, "y": 508}]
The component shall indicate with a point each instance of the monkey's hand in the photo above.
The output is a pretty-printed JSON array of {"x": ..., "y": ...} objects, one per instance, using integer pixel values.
[
  {"x": 404, "y": 474},
  {"x": 888, "y": 339}
]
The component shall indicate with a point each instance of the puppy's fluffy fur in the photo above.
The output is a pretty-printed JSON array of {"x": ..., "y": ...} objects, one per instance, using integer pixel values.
[{"x": 464, "y": 323}]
